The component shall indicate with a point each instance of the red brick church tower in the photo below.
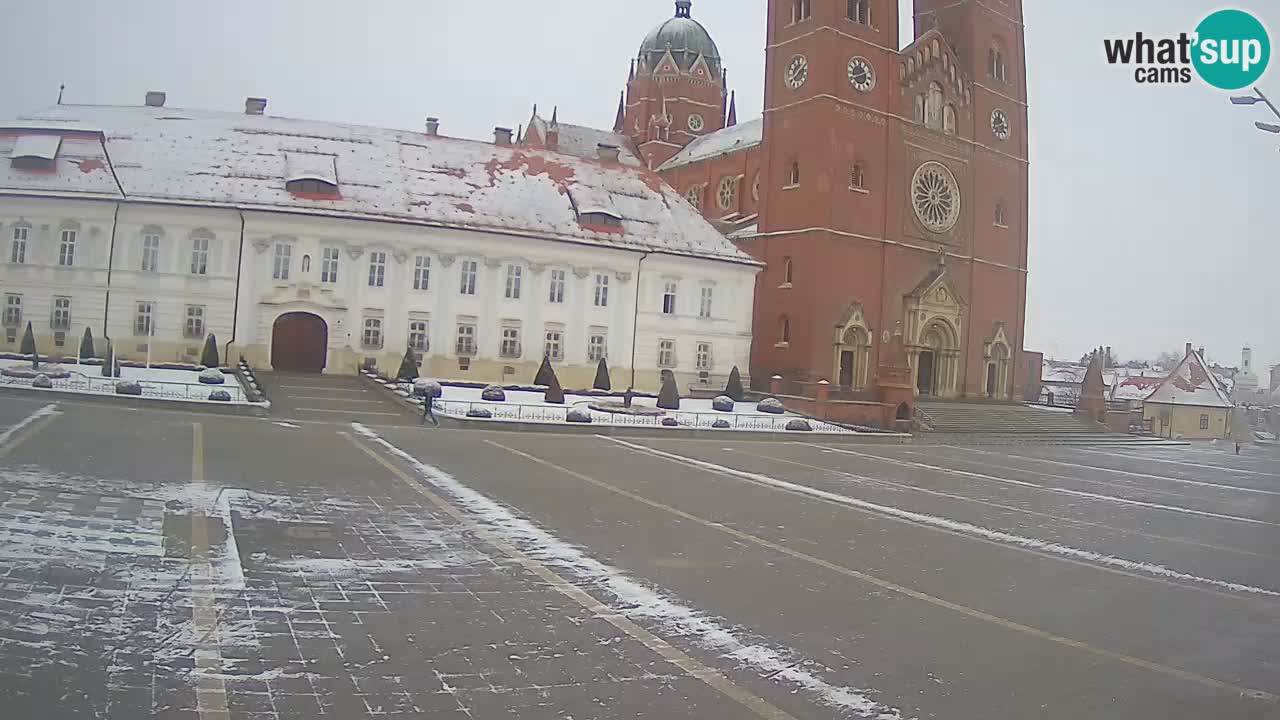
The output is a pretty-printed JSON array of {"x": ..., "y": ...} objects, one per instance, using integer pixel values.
[
  {"x": 676, "y": 89},
  {"x": 888, "y": 193}
]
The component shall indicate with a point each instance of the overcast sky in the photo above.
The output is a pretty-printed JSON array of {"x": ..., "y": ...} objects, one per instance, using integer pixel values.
[{"x": 1147, "y": 214}]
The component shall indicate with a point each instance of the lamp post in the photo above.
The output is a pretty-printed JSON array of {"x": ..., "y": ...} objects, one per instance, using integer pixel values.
[{"x": 1254, "y": 99}]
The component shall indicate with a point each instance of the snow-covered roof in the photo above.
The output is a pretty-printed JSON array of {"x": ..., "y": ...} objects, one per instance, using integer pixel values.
[
  {"x": 584, "y": 141},
  {"x": 36, "y": 146},
  {"x": 227, "y": 159},
  {"x": 1191, "y": 384},
  {"x": 721, "y": 142},
  {"x": 1135, "y": 387}
]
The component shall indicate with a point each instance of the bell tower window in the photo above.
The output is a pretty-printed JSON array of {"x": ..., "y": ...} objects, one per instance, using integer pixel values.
[
  {"x": 801, "y": 10},
  {"x": 933, "y": 106}
]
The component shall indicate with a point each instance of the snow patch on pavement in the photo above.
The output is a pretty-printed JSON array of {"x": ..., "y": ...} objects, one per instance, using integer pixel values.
[
  {"x": 634, "y": 600},
  {"x": 999, "y": 536},
  {"x": 45, "y": 411}
]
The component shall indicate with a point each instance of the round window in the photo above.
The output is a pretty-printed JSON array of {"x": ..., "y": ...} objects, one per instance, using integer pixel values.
[
  {"x": 696, "y": 122},
  {"x": 935, "y": 197},
  {"x": 694, "y": 196},
  {"x": 727, "y": 193}
]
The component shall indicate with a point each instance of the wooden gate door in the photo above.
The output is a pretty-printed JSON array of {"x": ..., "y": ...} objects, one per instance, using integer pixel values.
[{"x": 299, "y": 343}]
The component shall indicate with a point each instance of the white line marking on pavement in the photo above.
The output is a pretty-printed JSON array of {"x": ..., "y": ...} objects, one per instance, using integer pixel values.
[
  {"x": 286, "y": 424},
  {"x": 1055, "y": 490},
  {"x": 955, "y": 525},
  {"x": 1130, "y": 473},
  {"x": 228, "y": 566},
  {"x": 211, "y": 689},
  {"x": 45, "y": 411},
  {"x": 637, "y": 603},
  {"x": 347, "y": 411},
  {"x": 343, "y": 400},
  {"x": 325, "y": 388},
  {"x": 1219, "y": 468}
]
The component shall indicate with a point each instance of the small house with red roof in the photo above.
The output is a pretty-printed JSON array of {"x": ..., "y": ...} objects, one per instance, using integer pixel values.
[{"x": 1191, "y": 403}]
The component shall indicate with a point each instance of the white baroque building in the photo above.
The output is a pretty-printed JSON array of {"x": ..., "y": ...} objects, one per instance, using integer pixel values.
[{"x": 322, "y": 247}]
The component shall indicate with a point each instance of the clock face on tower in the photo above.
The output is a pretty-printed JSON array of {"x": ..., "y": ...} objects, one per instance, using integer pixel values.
[
  {"x": 861, "y": 75},
  {"x": 1000, "y": 124},
  {"x": 797, "y": 72}
]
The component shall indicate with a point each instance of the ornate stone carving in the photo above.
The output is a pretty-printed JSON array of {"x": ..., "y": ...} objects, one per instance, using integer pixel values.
[
  {"x": 492, "y": 263},
  {"x": 581, "y": 272},
  {"x": 355, "y": 251},
  {"x": 623, "y": 276},
  {"x": 537, "y": 268},
  {"x": 261, "y": 245},
  {"x": 400, "y": 255},
  {"x": 447, "y": 260}
]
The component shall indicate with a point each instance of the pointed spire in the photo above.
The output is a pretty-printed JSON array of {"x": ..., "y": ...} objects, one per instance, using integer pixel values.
[
  {"x": 519, "y": 134},
  {"x": 632, "y": 75},
  {"x": 535, "y": 109},
  {"x": 733, "y": 109},
  {"x": 619, "y": 121},
  {"x": 555, "y": 116}
]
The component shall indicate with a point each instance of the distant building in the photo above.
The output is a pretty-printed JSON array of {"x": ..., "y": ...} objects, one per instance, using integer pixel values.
[
  {"x": 1191, "y": 403},
  {"x": 1245, "y": 390}
]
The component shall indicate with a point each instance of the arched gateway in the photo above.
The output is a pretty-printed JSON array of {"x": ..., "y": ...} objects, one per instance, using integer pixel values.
[{"x": 299, "y": 343}]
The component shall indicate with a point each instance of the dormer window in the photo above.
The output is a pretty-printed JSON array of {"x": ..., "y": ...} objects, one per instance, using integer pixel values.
[
  {"x": 311, "y": 175},
  {"x": 38, "y": 153},
  {"x": 600, "y": 219}
]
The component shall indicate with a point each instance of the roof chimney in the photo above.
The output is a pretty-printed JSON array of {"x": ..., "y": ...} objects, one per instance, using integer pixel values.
[
  {"x": 255, "y": 106},
  {"x": 501, "y": 136},
  {"x": 607, "y": 152},
  {"x": 433, "y": 126},
  {"x": 155, "y": 98},
  {"x": 1201, "y": 353},
  {"x": 1188, "y": 348}
]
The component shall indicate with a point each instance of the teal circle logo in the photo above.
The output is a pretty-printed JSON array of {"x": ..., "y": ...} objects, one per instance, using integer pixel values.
[{"x": 1232, "y": 49}]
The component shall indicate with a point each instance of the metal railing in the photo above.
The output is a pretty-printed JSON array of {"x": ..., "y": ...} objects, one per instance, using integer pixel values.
[
  {"x": 514, "y": 412},
  {"x": 150, "y": 388}
]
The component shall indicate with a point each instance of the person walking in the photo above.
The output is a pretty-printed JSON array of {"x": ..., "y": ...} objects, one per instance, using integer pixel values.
[{"x": 428, "y": 412}]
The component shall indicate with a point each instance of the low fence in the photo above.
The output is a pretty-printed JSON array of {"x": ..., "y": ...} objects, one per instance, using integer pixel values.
[
  {"x": 150, "y": 388},
  {"x": 513, "y": 412}
]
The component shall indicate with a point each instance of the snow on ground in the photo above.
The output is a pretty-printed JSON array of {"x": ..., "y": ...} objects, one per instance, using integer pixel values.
[
  {"x": 527, "y": 406},
  {"x": 157, "y": 383}
]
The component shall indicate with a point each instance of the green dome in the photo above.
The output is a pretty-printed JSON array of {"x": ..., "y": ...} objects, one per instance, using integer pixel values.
[{"x": 685, "y": 38}]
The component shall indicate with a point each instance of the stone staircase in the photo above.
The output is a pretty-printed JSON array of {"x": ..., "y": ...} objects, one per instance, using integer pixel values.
[{"x": 996, "y": 419}]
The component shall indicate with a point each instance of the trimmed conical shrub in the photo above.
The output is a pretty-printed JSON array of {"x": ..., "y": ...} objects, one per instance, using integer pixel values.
[
  {"x": 734, "y": 387},
  {"x": 555, "y": 394},
  {"x": 408, "y": 371},
  {"x": 209, "y": 356},
  {"x": 602, "y": 377},
  {"x": 669, "y": 395},
  {"x": 28, "y": 346},
  {"x": 545, "y": 373},
  {"x": 86, "y": 344}
]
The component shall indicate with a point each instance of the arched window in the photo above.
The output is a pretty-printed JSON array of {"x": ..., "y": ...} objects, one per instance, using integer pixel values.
[
  {"x": 855, "y": 177},
  {"x": 999, "y": 215},
  {"x": 784, "y": 330},
  {"x": 949, "y": 119},
  {"x": 788, "y": 269},
  {"x": 859, "y": 11},
  {"x": 793, "y": 178},
  {"x": 919, "y": 114},
  {"x": 933, "y": 106},
  {"x": 995, "y": 63}
]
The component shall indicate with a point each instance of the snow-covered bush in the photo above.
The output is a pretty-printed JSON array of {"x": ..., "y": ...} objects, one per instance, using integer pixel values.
[
  {"x": 212, "y": 376},
  {"x": 773, "y": 406},
  {"x": 722, "y": 403},
  {"x": 480, "y": 413},
  {"x": 220, "y": 396},
  {"x": 670, "y": 422},
  {"x": 578, "y": 416},
  {"x": 493, "y": 393},
  {"x": 721, "y": 424},
  {"x": 43, "y": 382},
  {"x": 128, "y": 387},
  {"x": 799, "y": 425}
]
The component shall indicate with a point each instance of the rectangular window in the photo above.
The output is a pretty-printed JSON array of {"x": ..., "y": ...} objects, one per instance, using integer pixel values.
[
  {"x": 200, "y": 256},
  {"x": 556, "y": 294},
  {"x": 1204, "y": 422},
  {"x": 280, "y": 266},
  {"x": 142, "y": 322},
  {"x": 666, "y": 353},
  {"x": 669, "y": 299},
  {"x": 194, "y": 327},
  {"x": 61, "y": 319},
  {"x": 602, "y": 291},
  {"x": 800, "y": 10},
  {"x": 329, "y": 266},
  {"x": 860, "y": 11},
  {"x": 469, "y": 270},
  {"x": 372, "y": 337},
  {"x": 596, "y": 348},
  {"x": 377, "y": 269},
  {"x": 150, "y": 253},
  {"x": 67, "y": 250},
  {"x": 12, "y": 310},
  {"x": 515, "y": 275},
  {"x": 510, "y": 347},
  {"x": 419, "y": 338},
  {"x": 466, "y": 339},
  {"x": 704, "y": 307},
  {"x": 421, "y": 273},
  {"x": 704, "y": 357},
  {"x": 18, "y": 254},
  {"x": 553, "y": 347}
]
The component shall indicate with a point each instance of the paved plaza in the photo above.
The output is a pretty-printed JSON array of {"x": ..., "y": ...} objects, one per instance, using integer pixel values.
[{"x": 338, "y": 560}]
